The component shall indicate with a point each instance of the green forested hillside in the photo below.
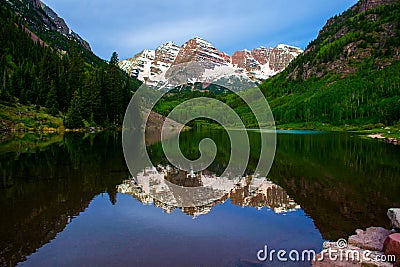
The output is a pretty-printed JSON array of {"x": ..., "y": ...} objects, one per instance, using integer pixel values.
[
  {"x": 36, "y": 19},
  {"x": 33, "y": 73},
  {"x": 349, "y": 74}
]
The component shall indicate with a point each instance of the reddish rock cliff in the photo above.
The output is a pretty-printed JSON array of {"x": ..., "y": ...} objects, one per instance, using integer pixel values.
[{"x": 199, "y": 50}]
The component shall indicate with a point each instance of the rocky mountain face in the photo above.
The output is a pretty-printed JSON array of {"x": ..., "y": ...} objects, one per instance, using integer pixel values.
[
  {"x": 62, "y": 27},
  {"x": 366, "y": 5},
  {"x": 36, "y": 3},
  {"x": 60, "y": 24},
  {"x": 199, "y": 50},
  {"x": 164, "y": 56},
  {"x": 364, "y": 31},
  {"x": 140, "y": 65},
  {"x": 258, "y": 64},
  {"x": 262, "y": 63},
  {"x": 44, "y": 21}
]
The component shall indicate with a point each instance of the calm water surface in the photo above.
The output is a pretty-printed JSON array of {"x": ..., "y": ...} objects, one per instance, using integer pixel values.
[{"x": 66, "y": 201}]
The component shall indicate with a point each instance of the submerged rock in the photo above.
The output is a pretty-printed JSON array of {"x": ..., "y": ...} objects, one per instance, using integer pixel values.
[{"x": 394, "y": 216}]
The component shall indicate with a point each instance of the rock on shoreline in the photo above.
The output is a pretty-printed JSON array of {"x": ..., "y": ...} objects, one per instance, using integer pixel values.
[
  {"x": 365, "y": 248},
  {"x": 394, "y": 216},
  {"x": 393, "y": 141}
]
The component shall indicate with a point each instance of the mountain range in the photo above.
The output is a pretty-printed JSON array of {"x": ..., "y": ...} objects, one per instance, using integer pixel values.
[{"x": 257, "y": 64}]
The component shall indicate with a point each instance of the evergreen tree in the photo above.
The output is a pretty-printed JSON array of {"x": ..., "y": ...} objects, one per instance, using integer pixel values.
[
  {"x": 73, "y": 119},
  {"x": 48, "y": 75},
  {"x": 91, "y": 101},
  {"x": 51, "y": 102},
  {"x": 114, "y": 59},
  {"x": 75, "y": 71},
  {"x": 114, "y": 82}
]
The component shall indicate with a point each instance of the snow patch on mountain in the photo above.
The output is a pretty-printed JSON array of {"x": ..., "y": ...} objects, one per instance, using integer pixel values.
[{"x": 153, "y": 66}]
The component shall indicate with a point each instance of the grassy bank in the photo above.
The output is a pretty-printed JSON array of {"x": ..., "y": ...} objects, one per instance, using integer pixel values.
[
  {"x": 17, "y": 118},
  {"x": 28, "y": 118}
]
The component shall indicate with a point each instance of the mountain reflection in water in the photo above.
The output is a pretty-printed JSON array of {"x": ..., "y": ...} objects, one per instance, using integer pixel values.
[{"x": 267, "y": 194}]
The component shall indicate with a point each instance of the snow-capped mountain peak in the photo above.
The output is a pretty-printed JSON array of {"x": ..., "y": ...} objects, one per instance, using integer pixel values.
[
  {"x": 256, "y": 64},
  {"x": 201, "y": 51}
]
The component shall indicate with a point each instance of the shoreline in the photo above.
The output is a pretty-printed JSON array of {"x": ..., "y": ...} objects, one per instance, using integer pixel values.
[
  {"x": 17, "y": 118},
  {"x": 375, "y": 246},
  {"x": 388, "y": 134}
]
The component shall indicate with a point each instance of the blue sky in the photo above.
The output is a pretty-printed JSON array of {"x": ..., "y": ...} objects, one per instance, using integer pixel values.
[{"x": 129, "y": 26}]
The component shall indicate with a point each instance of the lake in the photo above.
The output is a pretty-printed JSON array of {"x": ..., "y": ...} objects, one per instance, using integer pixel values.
[{"x": 71, "y": 201}]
